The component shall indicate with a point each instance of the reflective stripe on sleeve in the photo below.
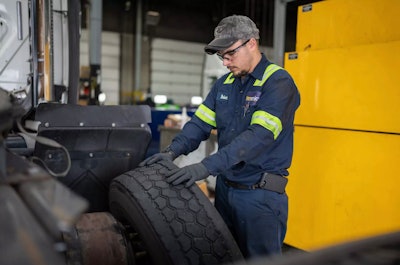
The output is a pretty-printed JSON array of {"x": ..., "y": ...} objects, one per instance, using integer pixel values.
[
  {"x": 268, "y": 121},
  {"x": 207, "y": 115}
]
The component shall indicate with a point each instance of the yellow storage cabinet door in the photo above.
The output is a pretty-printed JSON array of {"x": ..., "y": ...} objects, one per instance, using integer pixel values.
[
  {"x": 343, "y": 185},
  {"x": 354, "y": 88},
  {"x": 340, "y": 23}
]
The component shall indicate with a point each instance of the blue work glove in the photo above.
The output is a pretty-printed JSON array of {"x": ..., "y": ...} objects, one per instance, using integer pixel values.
[
  {"x": 165, "y": 155},
  {"x": 191, "y": 174}
]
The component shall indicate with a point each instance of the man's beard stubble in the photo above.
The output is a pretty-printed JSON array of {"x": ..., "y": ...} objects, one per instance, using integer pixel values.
[{"x": 240, "y": 74}]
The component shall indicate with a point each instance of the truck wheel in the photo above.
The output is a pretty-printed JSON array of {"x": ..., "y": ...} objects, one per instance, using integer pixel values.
[
  {"x": 98, "y": 239},
  {"x": 177, "y": 225}
]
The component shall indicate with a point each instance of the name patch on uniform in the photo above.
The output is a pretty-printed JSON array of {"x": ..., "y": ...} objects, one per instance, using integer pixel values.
[{"x": 222, "y": 96}]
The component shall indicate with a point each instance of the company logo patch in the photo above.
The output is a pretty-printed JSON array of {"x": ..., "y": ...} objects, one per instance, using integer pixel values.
[{"x": 253, "y": 97}]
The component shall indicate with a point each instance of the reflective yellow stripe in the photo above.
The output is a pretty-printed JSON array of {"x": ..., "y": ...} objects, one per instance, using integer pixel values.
[
  {"x": 268, "y": 121},
  {"x": 207, "y": 115},
  {"x": 272, "y": 68},
  {"x": 229, "y": 79}
]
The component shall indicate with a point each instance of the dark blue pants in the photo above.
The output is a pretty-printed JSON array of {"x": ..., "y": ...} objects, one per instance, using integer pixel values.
[{"x": 257, "y": 218}]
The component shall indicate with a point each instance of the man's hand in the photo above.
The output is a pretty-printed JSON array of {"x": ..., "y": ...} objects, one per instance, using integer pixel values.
[
  {"x": 158, "y": 157},
  {"x": 191, "y": 174}
]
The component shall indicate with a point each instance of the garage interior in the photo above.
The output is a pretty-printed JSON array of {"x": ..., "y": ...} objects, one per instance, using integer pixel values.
[
  {"x": 142, "y": 74},
  {"x": 322, "y": 36}
]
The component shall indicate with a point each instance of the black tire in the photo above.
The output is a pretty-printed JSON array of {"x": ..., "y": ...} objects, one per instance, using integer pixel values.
[{"x": 178, "y": 225}]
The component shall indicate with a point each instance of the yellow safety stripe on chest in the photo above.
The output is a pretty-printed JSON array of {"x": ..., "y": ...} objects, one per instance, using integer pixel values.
[
  {"x": 268, "y": 121},
  {"x": 229, "y": 79},
  {"x": 272, "y": 68},
  {"x": 207, "y": 115}
]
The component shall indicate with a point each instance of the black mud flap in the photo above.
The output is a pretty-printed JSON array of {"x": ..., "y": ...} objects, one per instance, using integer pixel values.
[
  {"x": 177, "y": 225},
  {"x": 103, "y": 142}
]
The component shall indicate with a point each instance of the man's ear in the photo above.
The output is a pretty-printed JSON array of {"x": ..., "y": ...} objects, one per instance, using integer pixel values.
[{"x": 253, "y": 44}]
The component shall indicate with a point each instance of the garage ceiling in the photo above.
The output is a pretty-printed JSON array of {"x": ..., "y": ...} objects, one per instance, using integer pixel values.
[
  {"x": 195, "y": 20},
  {"x": 188, "y": 20}
]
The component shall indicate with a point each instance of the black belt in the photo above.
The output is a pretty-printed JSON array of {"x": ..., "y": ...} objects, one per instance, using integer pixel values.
[{"x": 268, "y": 181}]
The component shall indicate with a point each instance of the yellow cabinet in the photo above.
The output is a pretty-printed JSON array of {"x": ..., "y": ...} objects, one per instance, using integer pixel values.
[
  {"x": 343, "y": 23},
  {"x": 343, "y": 182},
  {"x": 343, "y": 185},
  {"x": 354, "y": 88}
]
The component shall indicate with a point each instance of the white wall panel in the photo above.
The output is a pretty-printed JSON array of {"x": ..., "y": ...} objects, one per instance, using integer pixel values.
[
  {"x": 110, "y": 73},
  {"x": 167, "y": 89},
  {"x": 110, "y": 61},
  {"x": 110, "y": 84},
  {"x": 176, "y": 69},
  {"x": 175, "y": 45},
  {"x": 84, "y": 59},
  {"x": 175, "y": 56},
  {"x": 175, "y": 78}
]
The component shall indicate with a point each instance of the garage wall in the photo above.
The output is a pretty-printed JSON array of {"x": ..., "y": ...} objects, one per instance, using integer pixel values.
[
  {"x": 176, "y": 69},
  {"x": 110, "y": 66}
]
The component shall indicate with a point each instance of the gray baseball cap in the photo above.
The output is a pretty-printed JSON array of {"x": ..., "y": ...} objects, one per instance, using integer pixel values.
[{"x": 230, "y": 30}]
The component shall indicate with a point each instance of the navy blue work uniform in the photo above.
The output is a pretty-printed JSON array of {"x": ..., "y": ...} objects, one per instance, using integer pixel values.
[{"x": 254, "y": 120}]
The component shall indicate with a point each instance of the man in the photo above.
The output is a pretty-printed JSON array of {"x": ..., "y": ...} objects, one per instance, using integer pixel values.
[{"x": 252, "y": 108}]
